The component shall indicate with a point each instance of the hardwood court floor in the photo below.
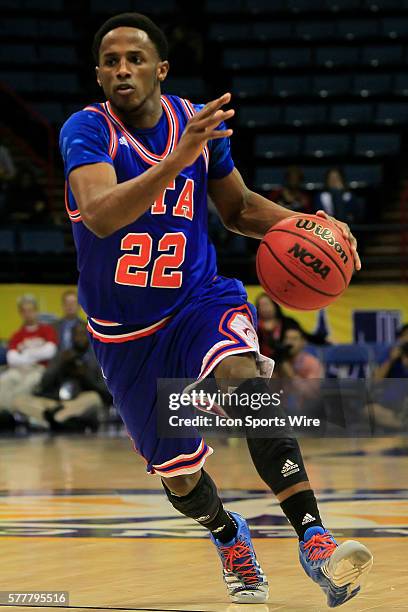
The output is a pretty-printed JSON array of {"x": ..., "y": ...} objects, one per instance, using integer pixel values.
[{"x": 80, "y": 515}]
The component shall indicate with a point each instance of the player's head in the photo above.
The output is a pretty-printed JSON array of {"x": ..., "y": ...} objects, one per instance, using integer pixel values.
[
  {"x": 69, "y": 302},
  {"x": 130, "y": 50},
  {"x": 28, "y": 309}
]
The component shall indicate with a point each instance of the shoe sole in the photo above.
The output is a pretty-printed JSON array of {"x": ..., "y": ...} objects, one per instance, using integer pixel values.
[
  {"x": 349, "y": 565},
  {"x": 251, "y": 597}
]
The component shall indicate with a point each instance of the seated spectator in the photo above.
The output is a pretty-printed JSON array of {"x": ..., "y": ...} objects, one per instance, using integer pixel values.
[
  {"x": 291, "y": 195},
  {"x": 388, "y": 402},
  {"x": 71, "y": 393},
  {"x": 272, "y": 324},
  {"x": 29, "y": 351},
  {"x": 65, "y": 325},
  {"x": 28, "y": 201},
  {"x": 394, "y": 362},
  {"x": 337, "y": 200}
]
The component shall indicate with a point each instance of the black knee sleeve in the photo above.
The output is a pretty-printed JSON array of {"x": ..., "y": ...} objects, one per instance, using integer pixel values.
[
  {"x": 278, "y": 461},
  {"x": 201, "y": 504}
]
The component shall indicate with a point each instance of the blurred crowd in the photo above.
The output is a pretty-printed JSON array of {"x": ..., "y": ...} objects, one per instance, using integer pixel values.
[
  {"x": 50, "y": 379},
  {"x": 336, "y": 199}
]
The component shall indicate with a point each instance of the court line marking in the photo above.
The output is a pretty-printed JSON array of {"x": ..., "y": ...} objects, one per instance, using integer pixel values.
[{"x": 102, "y": 608}]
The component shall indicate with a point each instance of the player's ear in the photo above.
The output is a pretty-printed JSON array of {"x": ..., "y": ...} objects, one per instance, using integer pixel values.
[
  {"x": 97, "y": 76},
  {"x": 162, "y": 70}
]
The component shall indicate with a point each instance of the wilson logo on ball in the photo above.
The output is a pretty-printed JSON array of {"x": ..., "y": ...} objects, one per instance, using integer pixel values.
[
  {"x": 324, "y": 233},
  {"x": 310, "y": 260}
]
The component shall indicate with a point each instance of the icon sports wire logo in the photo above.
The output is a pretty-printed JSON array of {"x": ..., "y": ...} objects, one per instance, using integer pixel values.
[{"x": 289, "y": 468}]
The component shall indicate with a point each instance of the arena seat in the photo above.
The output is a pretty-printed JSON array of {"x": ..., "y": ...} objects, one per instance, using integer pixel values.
[
  {"x": 285, "y": 86},
  {"x": 330, "y": 84},
  {"x": 324, "y": 145},
  {"x": 345, "y": 114},
  {"x": 244, "y": 58},
  {"x": 256, "y": 116},
  {"x": 246, "y": 86},
  {"x": 42, "y": 241},
  {"x": 7, "y": 241},
  {"x": 394, "y": 27},
  {"x": 332, "y": 57},
  {"x": 284, "y": 57},
  {"x": 271, "y": 30},
  {"x": 315, "y": 30},
  {"x": 267, "y": 177},
  {"x": 277, "y": 146},
  {"x": 371, "y": 84},
  {"x": 305, "y": 115},
  {"x": 391, "y": 113},
  {"x": 353, "y": 29},
  {"x": 221, "y": 32},
  {"x": 347, "y": 361},
  {"x": 400, "y": 84},
  {"x": 382, "y": 55},
  {"x": 374, "y": 145},
  {"x": 363, "y": 175}
]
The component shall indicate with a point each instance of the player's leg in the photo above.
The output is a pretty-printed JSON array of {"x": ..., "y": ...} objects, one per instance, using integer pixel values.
[{"x": 337, "y": 569}]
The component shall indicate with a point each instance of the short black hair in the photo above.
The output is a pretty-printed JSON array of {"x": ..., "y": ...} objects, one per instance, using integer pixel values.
[{"x": 132, "y": 20}]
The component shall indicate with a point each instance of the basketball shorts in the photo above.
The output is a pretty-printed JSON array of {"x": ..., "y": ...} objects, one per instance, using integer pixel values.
[{"x": 189, "y": 344}]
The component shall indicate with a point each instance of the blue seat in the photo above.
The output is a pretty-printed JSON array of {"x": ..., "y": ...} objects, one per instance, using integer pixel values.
[
  {"x": 314, "y": 176},
  {"x": 42, "y": 241},
  {"x": 254, "y": 116},
  {"x": 58, "y": 82},
  {"x": 315, "y": 30},
  {"x": 346, "y": 114},
  {"x": 18, "y": 54},
  {"x": 52, "y": 111},
  {"x": 394, "y": 27},
  {"x": 331, "y": 57},
  {"x": 214, "y": 6},
  {"x": 290, "y": 57},
  {"x": 57, "y": 54},
  {"x": 20, "y": 81},
  {"x": 400, "y": 85},
  {"x": 271, "y": 30},
  {"x": 338, "y": 6},
  {"x": 380, "y": 5},
  {"x": 221, "y": 32},
  {"x": 331, "y": 84},
  {"x": 304, "y": 6},
  {"x": 258, "y": 7},
  {"x": 246, "y": 86},
  {"x": 7, "y": 241},
  {"x": 361, "y": 175},
  {"x": 193, "y": 87},
  {"x": 305, "y": 115},
  {"x": 374, "y": 145},
  {"x": 267, "y": 178},
  {"x": 371, "y": 84},
  {"x": 324, "y": 145},
  {"x": 381, "y": 55},
  {"x": 392, "y": 113},
  {"x": 347, "y": 361},
  {"x": 244, "y": 58},
  {"x": 353, "y": 29},
  {"x": 19, "y": 28},
  {"x": 285, "y": 86},
  {"x": 277, "y": 146},
  {"x": 378, "y": 350}
]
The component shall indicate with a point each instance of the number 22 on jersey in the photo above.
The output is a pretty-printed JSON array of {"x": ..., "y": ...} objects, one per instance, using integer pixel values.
[{"x": 164, "y": 273}]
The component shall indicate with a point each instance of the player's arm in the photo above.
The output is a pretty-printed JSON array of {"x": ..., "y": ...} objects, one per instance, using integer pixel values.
[
  {"x": 245, "y": 212},
  {"x": 106, "y": 205}
]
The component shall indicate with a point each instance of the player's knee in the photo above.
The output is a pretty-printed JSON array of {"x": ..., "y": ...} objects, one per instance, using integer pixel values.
[
  {"x": 182, "y": 485},
  {"x": 237, "y": 368}
]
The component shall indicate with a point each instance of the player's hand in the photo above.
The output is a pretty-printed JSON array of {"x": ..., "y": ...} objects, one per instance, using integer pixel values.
[
  {"x": 201, "y": 128},
  {"x": 345, "y": 230}
]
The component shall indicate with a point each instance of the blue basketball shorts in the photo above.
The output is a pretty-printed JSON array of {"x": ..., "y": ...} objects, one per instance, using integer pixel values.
[{"x": 220, "y": 322}]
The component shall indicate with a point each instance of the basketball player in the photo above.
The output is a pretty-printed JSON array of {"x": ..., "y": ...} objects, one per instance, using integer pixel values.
[{"x": 138, "y": 169}]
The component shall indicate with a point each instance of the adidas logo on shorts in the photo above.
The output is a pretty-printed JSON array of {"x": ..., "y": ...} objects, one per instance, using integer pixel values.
[
  {"x": 289, "y": 468},
  {"x": 308, "y": 518}
]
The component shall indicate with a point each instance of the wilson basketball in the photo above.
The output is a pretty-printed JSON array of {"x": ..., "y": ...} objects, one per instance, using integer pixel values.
[{"x": 304, "y": 262}]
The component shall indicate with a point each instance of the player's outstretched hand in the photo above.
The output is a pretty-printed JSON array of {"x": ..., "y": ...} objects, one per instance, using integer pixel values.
[
  {"x": 347, "y": 235},
  {"x": 201, "y": 128}
]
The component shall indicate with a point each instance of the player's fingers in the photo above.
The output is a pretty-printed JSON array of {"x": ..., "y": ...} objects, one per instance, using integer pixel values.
[
  {"x": 347, "y": 235},
  {"x": 213, "y": 119},
  {"x": 214, "y": 105},
  {"x": 219, "y": 134}
]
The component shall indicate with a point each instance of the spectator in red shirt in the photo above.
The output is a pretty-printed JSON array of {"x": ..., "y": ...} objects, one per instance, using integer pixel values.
[{"x": 29, "y": 351}]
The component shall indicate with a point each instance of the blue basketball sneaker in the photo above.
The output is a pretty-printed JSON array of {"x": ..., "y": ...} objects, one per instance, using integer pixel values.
[
  {"x": 338, "y": 569},
  {"x": 245, "y": 580}
]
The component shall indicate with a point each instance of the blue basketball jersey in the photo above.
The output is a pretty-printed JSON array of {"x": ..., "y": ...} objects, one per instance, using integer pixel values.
[{"x": 149, "y": 269}]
